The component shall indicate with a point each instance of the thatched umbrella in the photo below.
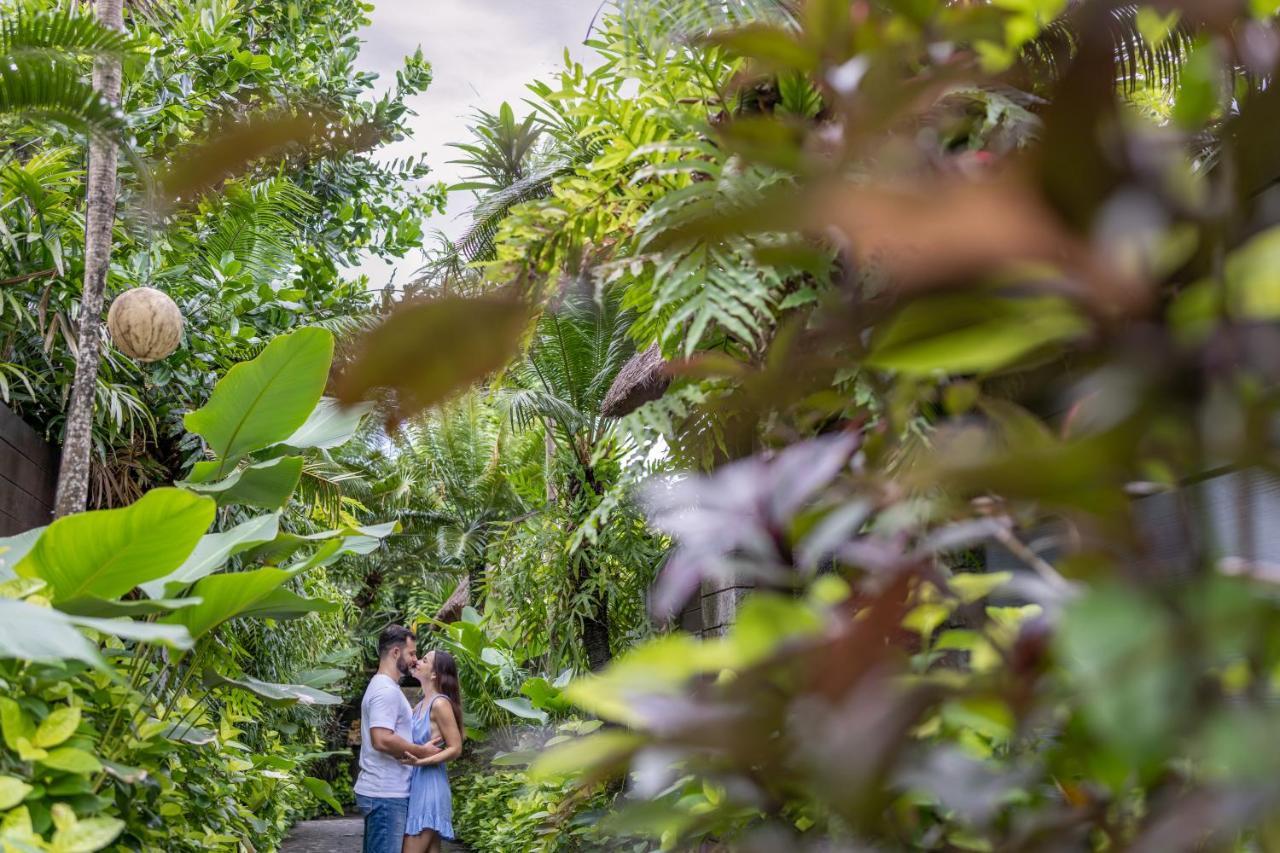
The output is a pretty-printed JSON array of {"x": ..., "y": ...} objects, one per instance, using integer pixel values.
[
  {"x": 451, "y": 611},
  {"x": 642, "y": 379}
]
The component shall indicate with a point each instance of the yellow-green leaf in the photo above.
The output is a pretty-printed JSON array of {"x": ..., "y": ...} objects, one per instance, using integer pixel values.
[
  {"x": 17, "y": 825},
  {"x": 14, "y": 722},
  {"x": 87, "y": 836},
  {"x": 27, "y": 751},
  {"x": 12, "y": 791},
  {"x": 71, "y": 760},
  {"x": 971, "y": 586},
  {"x": 57, "y": 727},
  {"x": 925, "y": 619},
  {"x": 598, "y": 751}
]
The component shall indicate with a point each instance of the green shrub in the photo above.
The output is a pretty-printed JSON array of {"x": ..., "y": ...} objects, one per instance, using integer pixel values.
[{"x": 500, "y": 809}]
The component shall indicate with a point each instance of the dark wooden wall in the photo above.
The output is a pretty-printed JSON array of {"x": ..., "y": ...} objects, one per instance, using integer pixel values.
[{"x": 28, "y": 475}]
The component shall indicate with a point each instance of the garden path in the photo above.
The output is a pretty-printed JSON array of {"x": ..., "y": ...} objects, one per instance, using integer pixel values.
[{"x": 334, "y": 835}]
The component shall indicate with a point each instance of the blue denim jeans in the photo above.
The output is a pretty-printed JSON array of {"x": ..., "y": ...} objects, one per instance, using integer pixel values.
[{"x": 384, "y": 819}]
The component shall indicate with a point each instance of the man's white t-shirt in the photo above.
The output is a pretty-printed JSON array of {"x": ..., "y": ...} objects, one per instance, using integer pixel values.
[{"x": 383, "y": 707}]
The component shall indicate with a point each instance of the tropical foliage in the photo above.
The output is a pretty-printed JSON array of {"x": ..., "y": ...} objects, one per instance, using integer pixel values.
[
  {"x": 842, "y": 425},
  {"x": 118, "y": 703}
]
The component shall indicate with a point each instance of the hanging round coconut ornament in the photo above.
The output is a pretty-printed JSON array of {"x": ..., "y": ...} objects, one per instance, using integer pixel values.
[{"x": 145, "y": 324}]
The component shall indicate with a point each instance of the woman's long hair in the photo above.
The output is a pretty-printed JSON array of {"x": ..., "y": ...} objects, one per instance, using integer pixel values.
[{"x": 446, "y": 672}]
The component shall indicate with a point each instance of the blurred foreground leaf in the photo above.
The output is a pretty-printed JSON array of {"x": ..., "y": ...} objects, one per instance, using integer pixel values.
[{"x": 426, "y": 351}]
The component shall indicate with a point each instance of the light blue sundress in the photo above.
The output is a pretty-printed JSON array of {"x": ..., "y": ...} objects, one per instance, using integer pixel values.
[{"x": 430, "y": 800}]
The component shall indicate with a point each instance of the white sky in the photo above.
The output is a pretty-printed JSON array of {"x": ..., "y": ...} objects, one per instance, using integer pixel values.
[{"x": 482, "y": 52}]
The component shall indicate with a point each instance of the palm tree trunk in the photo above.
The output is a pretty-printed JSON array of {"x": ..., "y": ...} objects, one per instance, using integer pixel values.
[
  {"x": 595, "y": 628},
  {"x": 100, "y": 213}
]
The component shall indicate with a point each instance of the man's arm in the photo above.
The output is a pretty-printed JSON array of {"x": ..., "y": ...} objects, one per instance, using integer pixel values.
[{"x": 386, "y": 740}]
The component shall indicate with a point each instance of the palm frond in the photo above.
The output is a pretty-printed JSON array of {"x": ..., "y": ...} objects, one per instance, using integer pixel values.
[
  {"x": 1139, "y": 63},
  {"x": 257, "y": 226},
  {"x": 661, "y": 22},
  {"x": 35, "y": 87},
  {"x": 63, "y": 30}
]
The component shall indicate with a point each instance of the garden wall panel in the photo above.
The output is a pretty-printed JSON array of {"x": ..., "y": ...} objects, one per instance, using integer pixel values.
[{"x": 28, "y": 475}]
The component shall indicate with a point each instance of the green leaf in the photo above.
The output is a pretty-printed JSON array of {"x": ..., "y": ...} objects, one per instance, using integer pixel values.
[
  {"x": 322, "y": 791},
  {"x": 226, "y": 596},
  {"x": 123, "y": 772},
  {"x": 320, "y": 677},
  {"x": 88, "y": 835},
  {"x": 57, "y": 727},
  {"x": 970, "y": 587},
  {"x": 330, "y": 425},
  {"x": 32, "y": 633},
  {"x": 185, "y": 733},
  {"x": 522, "y": 708},
  {"x": 264, "y": 401},
  {"x": 106, "y": 553},
  {"x": 1122, "y": 654},
  {"x": 543, "y": 695},
  {"x": 13, "y": 549},
  {"x": 212, "y": 552},
  {"x": 12, "y": 792},
  {"x": 71, "y": 760},
  {"x": 268, "y": 485},
  {"x": 14, "y": 723},
  {"x": 600, "y": 751},
  {"x": 1201, "y": 87},
  {"x": 104, "y": 609},
  {"x": 275, "y": 694},
  {"x": 972, "y": 334},
  {"x": 173, "y": 636},
  {"x": 282, "y": 604},
  {"x": 430, "y": 349}
]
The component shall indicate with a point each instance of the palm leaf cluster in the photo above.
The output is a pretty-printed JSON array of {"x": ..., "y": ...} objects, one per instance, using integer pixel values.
[
  {"x": 1149, "y": 51},
  {"x": 576, "y": 352},
  {"x": 42, "y": 73}
]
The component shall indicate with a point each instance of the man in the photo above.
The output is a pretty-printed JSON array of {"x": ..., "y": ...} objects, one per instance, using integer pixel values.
[{"x": 386, "y": 734}]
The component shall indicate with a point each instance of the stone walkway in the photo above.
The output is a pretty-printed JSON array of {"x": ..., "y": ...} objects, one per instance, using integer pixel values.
[{"x": 333, "y": 835}]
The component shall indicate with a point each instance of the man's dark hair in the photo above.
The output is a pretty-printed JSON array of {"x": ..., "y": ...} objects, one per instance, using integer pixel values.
[{"x": 392, "y": 636}]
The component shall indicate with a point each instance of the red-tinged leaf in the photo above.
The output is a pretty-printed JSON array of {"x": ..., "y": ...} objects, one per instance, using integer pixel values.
[
  {"x": 428, "y": 350},
  {"x": 236, "y": 147}
]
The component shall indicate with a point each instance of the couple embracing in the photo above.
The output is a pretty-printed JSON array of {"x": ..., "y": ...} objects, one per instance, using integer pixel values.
[{"x": 403, "y": 788}]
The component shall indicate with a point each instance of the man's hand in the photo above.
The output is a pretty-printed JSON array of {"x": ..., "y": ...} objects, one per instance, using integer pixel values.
[
  {"x": 420, "y": 755},
  {"x": 420, "y": 750}
]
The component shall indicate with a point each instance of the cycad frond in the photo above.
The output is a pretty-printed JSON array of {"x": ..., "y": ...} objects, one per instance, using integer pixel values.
[{"x": 574, "y": 355}]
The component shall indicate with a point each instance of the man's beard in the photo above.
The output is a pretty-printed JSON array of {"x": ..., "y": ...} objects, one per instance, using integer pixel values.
[{"x": 403, "y": 666}]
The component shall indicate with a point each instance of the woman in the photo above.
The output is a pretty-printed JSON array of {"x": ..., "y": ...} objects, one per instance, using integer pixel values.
[{"x": 437, "y": 722}]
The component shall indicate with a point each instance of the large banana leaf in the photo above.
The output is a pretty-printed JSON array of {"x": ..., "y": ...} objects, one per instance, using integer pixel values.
[
  {"x": 32, "y": 633},
  {"x": 173, "y": 636},
  {"x": 264, "y": 401},
  {"x": 106, "y": 553},
  {"x": 286, "y": 545},
  {"x": 283, "y": 604},
  {"x": 224, "y": 597},
  {"x": 329, "y": 426},
  {"x": 275, "y": 694},
  {"x": 268, "y": 485},
  {"x": 13, "y": 549},
  {"x": 213, "y": 551},
  {"x": 105, "y": 609}
]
